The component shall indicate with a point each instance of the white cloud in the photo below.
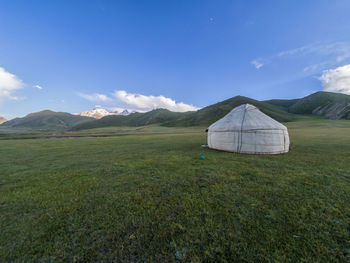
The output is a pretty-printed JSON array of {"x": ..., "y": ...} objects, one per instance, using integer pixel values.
[
  {"x": 121, "y": 99},
  {"x": 336, "y": 80},
  {"x": 9, "y": 83},
  {"x": 315, "y": 67},
  {"x": 338, "y": 50},
  {"x": 295, "y": 51},
  {"x": 257, "y": 64},
  {"x": 38, "y": 87},
  {"x": 117, "y": 109},
  {"x": 96, "y": 97},
  {"x": 318, "y": 56},
  {"x": 142, "y": 102}
]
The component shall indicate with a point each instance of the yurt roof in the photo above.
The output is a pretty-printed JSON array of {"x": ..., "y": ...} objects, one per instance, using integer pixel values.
[{"x": 244, "y": 118}]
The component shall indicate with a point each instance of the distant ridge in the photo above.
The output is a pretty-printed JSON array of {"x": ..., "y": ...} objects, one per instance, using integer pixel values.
[
  {"x": 45, "y": 121},
  {"x": 331, "y": 105}
]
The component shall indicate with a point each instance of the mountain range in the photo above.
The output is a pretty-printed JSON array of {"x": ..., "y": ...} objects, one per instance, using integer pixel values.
[
  {"x": 330, "y": 105},
  {"x": 44, "y": 121},
  {"x": 327, "y": 104}
]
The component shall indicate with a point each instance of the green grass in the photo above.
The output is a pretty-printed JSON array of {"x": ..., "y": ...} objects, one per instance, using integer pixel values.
[
  {"x": 147, "y": 197},
  {"x": 100, "y": 132}
]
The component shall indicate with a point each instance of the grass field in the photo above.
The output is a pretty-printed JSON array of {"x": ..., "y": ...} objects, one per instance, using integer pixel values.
[{"x": 144, "y": 195}]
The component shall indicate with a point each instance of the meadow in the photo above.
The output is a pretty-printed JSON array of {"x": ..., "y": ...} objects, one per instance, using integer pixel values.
[{"x": 144, "y": 195}]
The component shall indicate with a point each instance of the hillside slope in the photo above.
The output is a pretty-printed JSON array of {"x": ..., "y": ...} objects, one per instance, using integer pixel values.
[
  {"x": 46, "y": 121},
  {"x": 328, "y": 104},
  {"x": 282, "y": 104}
]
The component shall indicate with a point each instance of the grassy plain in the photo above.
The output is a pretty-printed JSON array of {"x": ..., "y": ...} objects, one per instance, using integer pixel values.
[{"x": 144, "y": 195}]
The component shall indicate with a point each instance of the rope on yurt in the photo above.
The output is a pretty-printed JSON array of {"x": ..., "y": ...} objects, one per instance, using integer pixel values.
[{"x": 239, "y": 148}]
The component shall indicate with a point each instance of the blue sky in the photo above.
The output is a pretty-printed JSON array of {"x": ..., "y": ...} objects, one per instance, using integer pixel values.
[{"x": 148, "y": 54}]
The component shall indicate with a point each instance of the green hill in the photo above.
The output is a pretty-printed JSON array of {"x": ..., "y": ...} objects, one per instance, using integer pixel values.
[
  {"x": 45, "y": 121},
  {"x": 328, "y": 104},
  {"x": 282, "y": 104}
]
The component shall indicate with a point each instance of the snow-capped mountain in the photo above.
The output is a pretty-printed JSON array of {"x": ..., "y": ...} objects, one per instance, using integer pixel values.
[
  {"x": 96, "y": 113},
  {"x": 2, "y": 120},
  {"x": 99, "y": 113}
]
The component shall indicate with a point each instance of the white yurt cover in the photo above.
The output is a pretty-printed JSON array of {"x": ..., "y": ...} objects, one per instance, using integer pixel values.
[{"x": 247, "y": 130}]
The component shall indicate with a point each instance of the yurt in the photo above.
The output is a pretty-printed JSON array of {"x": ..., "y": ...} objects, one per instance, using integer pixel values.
[{"x": 247, "y": 130}]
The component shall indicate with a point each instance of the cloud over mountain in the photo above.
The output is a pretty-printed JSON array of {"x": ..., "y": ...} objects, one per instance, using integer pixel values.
[
  {"x": 138, "y": 102},
  {"x": 336, "y": 80}
]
